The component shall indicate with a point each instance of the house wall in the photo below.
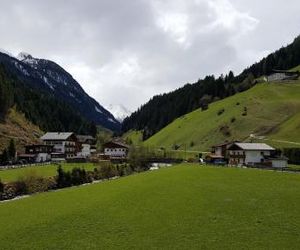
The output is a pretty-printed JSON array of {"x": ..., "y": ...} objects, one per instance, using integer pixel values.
[
  {"x": 252, "y": 156},
  {"x": 247, "y": 157},
  {"x": 218, "y": 151},
  {"x": 64, "y": 147},
  {"x": 236, "y": 157},
  {"x": 42, "y": 157},
  {"x": 116, "y": 152},
  {"x": 85, "y": 151}
]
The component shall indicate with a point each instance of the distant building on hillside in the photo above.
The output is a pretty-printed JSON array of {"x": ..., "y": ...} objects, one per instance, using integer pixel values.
[
  {"x": 281, "y": 75},
  {"x": 116, "y": 149},
  {"x": 65, "y": 145}
]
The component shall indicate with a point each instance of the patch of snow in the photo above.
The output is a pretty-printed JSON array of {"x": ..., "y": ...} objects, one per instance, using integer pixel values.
[
  {"x": 98, "y": 110},
  {"x": 71, "y": 94},
  {"x": 111, "y": 120},
  {"x": 27, "y": 58},
  {"x": 6, "y": 52},
  {"x": 22, "y": 69},
  {"x": 119, "y": 111},
  {"x": 48, "y": 83}
]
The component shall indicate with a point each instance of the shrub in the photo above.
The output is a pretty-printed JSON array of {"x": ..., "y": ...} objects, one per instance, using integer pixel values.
[
  {"x": 35, "y": 183},
  {"x": 138, "y": 158},
  {"x": 225, "y": 130},
  {"x": 13, "y": 189},
  {"x": 192, "y": 144},
  {"x": 245, "y": 111},
  {"x": 107, "y": 171},
  {"x": 237, "y": 104},
  {"x": 1, "y": 189},
  {"x": 63, "y": 178},
  {"x": 221, "y": 111},
  {"x": 78, "y": 177},
  {"x": 1, "y": 186},
  {"x": 233, "y": 119}
]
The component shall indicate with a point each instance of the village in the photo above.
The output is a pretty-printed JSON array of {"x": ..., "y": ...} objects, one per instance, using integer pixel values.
[
  {"x": 69, "y": 147},
  {"x": 58, "y": 147}
]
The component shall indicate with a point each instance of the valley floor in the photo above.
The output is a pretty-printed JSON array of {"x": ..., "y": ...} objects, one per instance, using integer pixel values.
[{"x": 182, "y": 207}]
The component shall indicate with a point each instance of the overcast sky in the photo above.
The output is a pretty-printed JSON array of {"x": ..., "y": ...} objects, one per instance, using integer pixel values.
[{"x": 126, "y": 51}]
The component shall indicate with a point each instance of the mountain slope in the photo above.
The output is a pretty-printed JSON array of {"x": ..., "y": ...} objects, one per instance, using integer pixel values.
[
  {"x": 39, "y": 107},
  {"x": 269, "y": 110},
  {"x": 163, "y": 109},
  {"x": 17, "y": 127},
  {"x": 49, "y": 77}
]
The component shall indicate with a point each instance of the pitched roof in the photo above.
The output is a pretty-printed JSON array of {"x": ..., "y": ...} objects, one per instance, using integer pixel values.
[
  {"x": 84, "y": 138},
  {"x": 116, "y": 143},
  {"x": 254, "y": 146},
  {"x": 56, "y": 136}
]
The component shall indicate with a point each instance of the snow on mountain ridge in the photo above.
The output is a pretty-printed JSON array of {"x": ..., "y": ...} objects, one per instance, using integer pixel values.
[
  {"x": 6, "y": 52},
  {"x": 119, "y": 111}
]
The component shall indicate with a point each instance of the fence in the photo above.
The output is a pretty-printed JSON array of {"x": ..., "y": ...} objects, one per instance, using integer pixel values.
[{"x": 6, "y": 167}]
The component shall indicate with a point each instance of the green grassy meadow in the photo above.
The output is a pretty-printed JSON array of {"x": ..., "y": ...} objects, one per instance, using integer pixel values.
[
  {"x": 43, "y": 170},
  {"x": 182, "y": 207},
  {"x": 272, "y": 110}
]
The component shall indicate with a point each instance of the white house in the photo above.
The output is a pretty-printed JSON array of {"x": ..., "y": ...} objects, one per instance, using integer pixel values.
[
  {"x": 116, "y": 149},
  {"x": 65, "y": 144},
  {"x": 249, "y": 153},
  {"x": 87, "y": 145},
  {"x": 255, "y": 154}
]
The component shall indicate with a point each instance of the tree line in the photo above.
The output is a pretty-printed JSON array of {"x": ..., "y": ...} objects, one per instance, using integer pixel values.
[{"x": 163, "y": 109}]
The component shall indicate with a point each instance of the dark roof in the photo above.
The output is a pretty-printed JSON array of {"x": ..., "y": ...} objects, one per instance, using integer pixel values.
[{"x": 116, "y": 143}]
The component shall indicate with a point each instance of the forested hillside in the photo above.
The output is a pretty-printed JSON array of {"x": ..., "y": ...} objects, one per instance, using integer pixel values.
[
  {"x": 163, "y": 109},
  {"x": 39, "y": 107},
  {"x": 268, "y": 112},
  {"x": 50, "y": 78}
]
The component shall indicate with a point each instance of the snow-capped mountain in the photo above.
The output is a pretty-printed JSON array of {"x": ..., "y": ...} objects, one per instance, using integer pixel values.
[
  {"x": 119, "y": 111},
  {"x": 45, "y": 75}
]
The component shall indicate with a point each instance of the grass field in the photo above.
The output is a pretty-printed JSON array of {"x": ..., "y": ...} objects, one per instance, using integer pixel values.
[
  {"x": 183, "y": 207},
  {"x": 273, "y": 110},
  {"x": 44, "y": 170}
]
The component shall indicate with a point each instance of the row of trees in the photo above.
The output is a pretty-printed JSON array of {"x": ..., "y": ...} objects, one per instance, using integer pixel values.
[
  {"x": 163, "y": 109},
  {"x": 40, "y": 108}
]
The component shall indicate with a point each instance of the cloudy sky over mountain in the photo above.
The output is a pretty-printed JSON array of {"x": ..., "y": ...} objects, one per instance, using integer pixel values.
[{"x": 127, "y": 51}]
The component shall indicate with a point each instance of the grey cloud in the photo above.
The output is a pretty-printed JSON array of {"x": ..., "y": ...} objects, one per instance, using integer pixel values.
[{"x": 127, "y": 51}]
